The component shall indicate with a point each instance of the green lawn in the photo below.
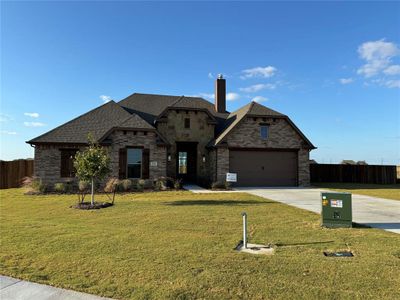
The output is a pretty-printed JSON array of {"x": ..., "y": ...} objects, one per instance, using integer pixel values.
[
  {"x": 388, "y": 191},
  {"x": 178, "y": 245}
]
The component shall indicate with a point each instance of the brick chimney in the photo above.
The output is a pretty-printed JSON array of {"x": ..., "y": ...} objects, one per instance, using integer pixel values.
[{"x": 220, "y": 94}]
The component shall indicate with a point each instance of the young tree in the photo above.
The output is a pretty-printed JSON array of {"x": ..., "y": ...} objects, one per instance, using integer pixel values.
[{"x": 92, "y": 163}]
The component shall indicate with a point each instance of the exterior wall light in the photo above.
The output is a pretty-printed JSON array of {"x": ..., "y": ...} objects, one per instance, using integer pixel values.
[
  {"x": 204, "y": 158},
  {"x": 169, "y": 157}
]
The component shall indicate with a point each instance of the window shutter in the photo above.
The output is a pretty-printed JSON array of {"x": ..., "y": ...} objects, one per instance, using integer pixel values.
[
  {"x": 122, "y": 163},
  {"x": 146, "y": 164}
]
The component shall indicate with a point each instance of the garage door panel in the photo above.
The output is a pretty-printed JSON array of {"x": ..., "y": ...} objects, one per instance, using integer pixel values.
[{"x": 264, "y": 168}]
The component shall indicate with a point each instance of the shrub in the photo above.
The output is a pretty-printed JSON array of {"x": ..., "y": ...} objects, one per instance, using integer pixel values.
[
  {"x": 178, "y": 184},
  {"x": 126, "y": 185},
  {"x": 60, "y": 187},
  {"x": 83, "y": 185},
  {"x": 219, "y": 185},
  {"x": 112, "y": 185},
  {"x": 160, "y": 184},
  {"x": 148, "y": 184},
  {"x": 36, "y": 185},
  {"x": 26, "y": 182},
  {"x": 227, "y": 185}
]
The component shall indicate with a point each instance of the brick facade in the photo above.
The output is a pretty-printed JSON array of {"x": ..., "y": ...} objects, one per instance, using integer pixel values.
[
  {"x": 202, "y": 127},
  {"x": 281, "y": 135},
  {"x": 47, "y": 165}
]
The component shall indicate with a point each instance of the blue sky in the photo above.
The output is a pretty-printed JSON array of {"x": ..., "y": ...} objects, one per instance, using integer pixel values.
[{"x": 334, "y": 68}]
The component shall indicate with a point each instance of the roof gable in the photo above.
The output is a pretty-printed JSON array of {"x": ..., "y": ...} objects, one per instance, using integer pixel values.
[
  {"x": 98, "y": 122},
  {"x": 255, "y": 109}
]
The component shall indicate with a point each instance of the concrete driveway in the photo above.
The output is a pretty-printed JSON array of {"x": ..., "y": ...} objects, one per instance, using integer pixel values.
[{"x": 370, "y": 211}]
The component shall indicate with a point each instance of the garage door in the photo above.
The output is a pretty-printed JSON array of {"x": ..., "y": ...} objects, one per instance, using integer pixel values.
[{"x": 264, "y": 168}]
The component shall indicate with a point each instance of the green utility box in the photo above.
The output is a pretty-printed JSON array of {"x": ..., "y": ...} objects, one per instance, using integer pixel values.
[{"x": 336, "y": 210}]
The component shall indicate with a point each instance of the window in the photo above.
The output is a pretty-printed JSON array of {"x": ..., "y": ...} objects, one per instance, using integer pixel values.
[
  {"x": 134, "y": 163},
  {"x": 187, "y": 123},
  {"x": 182, "y": 163},
  {"x": 264, "y": 131},
  {"x": 67, "y": 162}
]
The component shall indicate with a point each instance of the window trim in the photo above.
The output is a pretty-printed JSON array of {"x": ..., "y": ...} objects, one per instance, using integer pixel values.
[
  {"x": 141, "y": 161},
  {"x": 187, "y": 123},
  {"x": 267, "y": 131},
  {"x": 70, "y": 164}
]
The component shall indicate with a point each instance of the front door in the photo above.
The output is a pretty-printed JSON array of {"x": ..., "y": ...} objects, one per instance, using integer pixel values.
[{"x": 186, "y": 158}]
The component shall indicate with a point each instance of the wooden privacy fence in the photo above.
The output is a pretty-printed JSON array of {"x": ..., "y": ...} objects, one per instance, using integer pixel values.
[
  {"x": 12, "y": 172},
  {"x": 353, "y": 173}
]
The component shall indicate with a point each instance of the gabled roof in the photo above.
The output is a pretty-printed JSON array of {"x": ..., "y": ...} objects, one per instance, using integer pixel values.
[
  {"x": 98, "y": 122},
  {"x": 251, "y": 109},
  {"x": 254, "y": 109},
  {"x": 150, "y": 106}
]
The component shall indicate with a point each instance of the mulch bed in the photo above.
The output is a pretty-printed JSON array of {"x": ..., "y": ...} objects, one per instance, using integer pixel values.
[{"x": 88, "y": 205}]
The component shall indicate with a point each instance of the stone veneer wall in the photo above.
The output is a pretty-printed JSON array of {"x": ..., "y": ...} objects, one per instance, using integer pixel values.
[
  {"x": 200, "y": 131},
  {"x": 222, "y": 163},
  {"x": 280, "y": 135}
]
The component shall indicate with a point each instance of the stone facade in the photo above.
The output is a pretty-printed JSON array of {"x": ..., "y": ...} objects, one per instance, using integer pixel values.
[
  {"x": 201, "y": 131},
  {"x": 281, "y": 135}
]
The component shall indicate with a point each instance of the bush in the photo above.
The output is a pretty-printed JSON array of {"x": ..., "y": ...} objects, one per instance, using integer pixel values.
[
  {"x": 160, "y": 184},
  {"x": 112, "y": 185},
  {"x": 38, "y": 186},
  {"x": 220, "y": 185},
  {"x": 83, "y": 185},
  {"x": 178, "y": 184},
  {"x": 148, "y": 184},
  {"x": 60, "y": 187},
  {"x": 26, "y": 182},
  {"x": 126, "y": 185}
]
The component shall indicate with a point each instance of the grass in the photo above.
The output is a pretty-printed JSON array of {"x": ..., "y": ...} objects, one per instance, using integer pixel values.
[
  {"x": 388, "y": 191},
  {"x": 179, "y": 245}
]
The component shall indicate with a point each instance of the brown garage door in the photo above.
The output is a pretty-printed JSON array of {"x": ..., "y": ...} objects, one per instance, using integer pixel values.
[{"x": 264, "y": 168}]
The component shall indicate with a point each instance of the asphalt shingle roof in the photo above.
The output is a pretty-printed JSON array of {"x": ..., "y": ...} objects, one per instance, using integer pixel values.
[
  {"x": 140, "y": 111},
  {"x": 97, "y": 121}
]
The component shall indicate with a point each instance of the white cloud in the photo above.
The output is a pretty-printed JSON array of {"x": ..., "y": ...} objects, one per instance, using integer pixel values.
[
  {"x": 5, "y": 118},
  {"x": 392, "y": 83},
  {"x": 34, "y": 124},
  {"x": 259, "y": 99},
  {"x": 32, "y": 115},
  {"x": 265, "y": 72},
  {"x": 346, "y": 80},
  {"x": 258, "y": 87},
  {"x": 8, "y": 132},
  {"x": 378, "y": 56},
  {"x": 210, "y": 75},
  {"x": 232, "y": 96},
  {"x": 105, "y": 98},
  {"x": 392, "y": 70}
]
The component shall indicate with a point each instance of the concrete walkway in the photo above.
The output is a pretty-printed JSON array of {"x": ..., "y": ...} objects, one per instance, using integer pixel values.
[
  {"x": 13, "y": 289},
  {"x": 370, "y": 211},
  {"x": 199, "y": 190}
]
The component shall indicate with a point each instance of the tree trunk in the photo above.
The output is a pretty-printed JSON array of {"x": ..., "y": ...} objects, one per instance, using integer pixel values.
[{"x": 92, "y": 202}]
